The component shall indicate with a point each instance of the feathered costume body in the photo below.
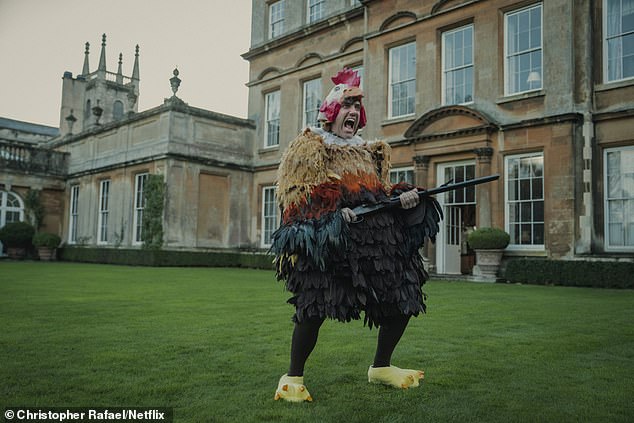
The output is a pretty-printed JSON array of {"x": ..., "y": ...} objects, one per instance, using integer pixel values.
[{"x": 337, "y": 269}]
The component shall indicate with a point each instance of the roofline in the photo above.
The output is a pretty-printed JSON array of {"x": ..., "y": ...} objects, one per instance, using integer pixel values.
[{"x": 35, "y": 128}]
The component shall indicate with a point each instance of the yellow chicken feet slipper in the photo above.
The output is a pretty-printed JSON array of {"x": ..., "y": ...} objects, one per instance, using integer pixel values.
[
  {"x": 393, "y": 376},
  {"x": 291, "y": 388}
]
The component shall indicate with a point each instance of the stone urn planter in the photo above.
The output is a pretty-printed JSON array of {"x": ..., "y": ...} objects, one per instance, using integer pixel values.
[
  {"x": 489, "y": 245},
  {"x": 46, "y": 244},
  {"x": 488, "y": 262},
  {"x": 46, "y": 254}
]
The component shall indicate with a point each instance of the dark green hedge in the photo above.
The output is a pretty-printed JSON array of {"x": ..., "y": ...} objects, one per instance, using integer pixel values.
[
  {"x": 159, "y": 258},
  {"x": 600, "y": 274}
]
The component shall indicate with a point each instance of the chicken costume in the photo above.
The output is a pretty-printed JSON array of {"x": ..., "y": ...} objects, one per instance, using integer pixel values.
[{"x": 338, "y": 269}]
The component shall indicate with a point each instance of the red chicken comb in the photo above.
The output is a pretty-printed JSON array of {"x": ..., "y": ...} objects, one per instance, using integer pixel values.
[{"x": 348, "y": 77}]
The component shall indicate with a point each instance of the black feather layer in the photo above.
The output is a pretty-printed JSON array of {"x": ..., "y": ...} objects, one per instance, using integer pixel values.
[{"x": 339, "y": 270}]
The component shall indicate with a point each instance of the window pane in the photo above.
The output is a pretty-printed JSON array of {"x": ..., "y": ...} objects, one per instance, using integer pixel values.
[
  {"x": 459, "y": 174},
  {"x": 538, "y": 211},
  {"x": 628, "y": 56},
  {"x": 312, "y": 102},
  {"x": 526, "y": 234},
  {"x": 12, "y": 200},
  {"x": 537, "y": 185},
  {"x": 514, "y": 213},
  {"x": 459, "y": 196},
  {"x": 272, "y": 112},
  {"x": 526, "y": 214},
  {"x": 515, "y": 234},
  {"x": 619, "y": 178},
  {"x": 538, "y": 233},
  {"x": 12, "y": 216},
  {"x": 402, "y": 79},
  {"x": 627, "y": 20},
  {"x": 458, "y": 66},
  {"x": 513, "y": 187},
  {"x": 470, "y": 195},
  {"x": 525, "y": 189},
  {"x": 276, "y": 18},
  {"x": 269, "y": 215},
  {"x": 512, "y": 23},
  {"x": 525, "y": 203},
  {"x": 524, "y": 49}
]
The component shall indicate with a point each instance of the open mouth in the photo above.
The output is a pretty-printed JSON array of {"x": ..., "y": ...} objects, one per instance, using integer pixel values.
[{"x": 350, "y": 123}]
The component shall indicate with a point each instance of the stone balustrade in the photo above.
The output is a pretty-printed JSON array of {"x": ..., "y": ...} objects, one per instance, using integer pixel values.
[{"x": 29, "y": 158}]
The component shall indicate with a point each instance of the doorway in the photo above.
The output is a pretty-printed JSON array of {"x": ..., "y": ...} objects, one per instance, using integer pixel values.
[{"x": 453, "y": 255}]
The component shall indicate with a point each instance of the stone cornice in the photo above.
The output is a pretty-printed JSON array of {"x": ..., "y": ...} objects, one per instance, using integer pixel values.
[
  {"x": 615, "y": 114},
  {"x": 436, "y": 11},
  {"x": 545, "y": 120},
  {"x": 148, "y": 159},
  {"x": 303, "y": 32},
  {"x": 172, "y": 104}
]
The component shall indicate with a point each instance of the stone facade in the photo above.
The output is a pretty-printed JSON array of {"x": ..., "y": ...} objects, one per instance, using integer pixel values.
[
  {"x": 90, "y": 171},
  {"x": 565, "y": 119}
]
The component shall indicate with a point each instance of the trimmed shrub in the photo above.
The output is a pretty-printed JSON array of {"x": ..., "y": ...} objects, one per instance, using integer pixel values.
[
  {"x": 45, "y": 239},
  {"x": 154, "y": 195},
  {"x": 488, "y": 239},
  {"x": 158, "y": 258},
  {"x": 17, "y": 234},
  {"x": 598, "y": 274}
]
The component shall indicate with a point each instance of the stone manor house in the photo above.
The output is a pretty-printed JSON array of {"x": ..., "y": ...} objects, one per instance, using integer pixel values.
[{"x": 540, "y": 92}]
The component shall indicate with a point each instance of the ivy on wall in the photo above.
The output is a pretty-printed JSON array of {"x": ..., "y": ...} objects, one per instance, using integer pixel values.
[
  {"x": 154, "y": 193},
  {"x": 34, "y": 208}
]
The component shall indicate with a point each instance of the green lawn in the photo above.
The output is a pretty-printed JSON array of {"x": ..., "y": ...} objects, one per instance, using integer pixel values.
[{"x": 212, "y": 343}]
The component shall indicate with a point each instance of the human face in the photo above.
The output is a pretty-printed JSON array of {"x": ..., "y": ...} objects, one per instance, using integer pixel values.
[{"x": 347, "y": 121}]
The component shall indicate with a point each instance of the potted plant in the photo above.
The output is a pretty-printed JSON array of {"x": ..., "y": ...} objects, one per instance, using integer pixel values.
[
  {"x": 46, "y": 244},
  {"x": 16, "y": 238},
  {"x": 489, "y": 245}
]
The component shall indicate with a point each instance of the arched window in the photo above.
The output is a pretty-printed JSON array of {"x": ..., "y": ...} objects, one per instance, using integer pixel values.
[
  {"x": 117, "y": 110},
  {"x": 11, "y": 208}
]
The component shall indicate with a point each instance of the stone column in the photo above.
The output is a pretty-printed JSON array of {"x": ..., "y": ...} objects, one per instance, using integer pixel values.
[
  {"x": 421, "y": 171},
  {"x": 421, "y": 179},
  {"x": 483, "y": 191}
]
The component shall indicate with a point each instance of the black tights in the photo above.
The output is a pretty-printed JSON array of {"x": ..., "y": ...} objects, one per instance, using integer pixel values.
[{"x": 305, "y": 338}]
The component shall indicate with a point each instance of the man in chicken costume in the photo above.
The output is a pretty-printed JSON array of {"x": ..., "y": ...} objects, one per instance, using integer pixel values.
[{"x": 337, "y": 264}]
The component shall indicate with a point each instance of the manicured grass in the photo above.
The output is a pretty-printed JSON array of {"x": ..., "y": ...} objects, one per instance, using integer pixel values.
[{"x": 212, "y": 343}]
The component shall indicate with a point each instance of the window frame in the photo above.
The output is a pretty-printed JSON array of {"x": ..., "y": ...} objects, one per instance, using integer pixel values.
[
  {"x": 507, "y": 203},
  {"x": 450, "y": 198},
  {"x": 73, "y": 214},
  {"x": 104, "y": 211},
  {"x": 606, "y": 50},
  {"x": 404, "y": 169},
  {"x": 265, "y": 218},
  {"x": 267, "y": 121},
  {"x": 606, "y": 199},
  {"x": 320, "y": 5},
  {"x": 281, "y": 20},
  {"x": 391, "y": 83},
  {"x": 318, "y": 95},
  {"x": 445, "y": 71},
  {"x": 138, "y": 206},
  {"x": 507, "y": 76},
  {"x": 5, "y": 208}
]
